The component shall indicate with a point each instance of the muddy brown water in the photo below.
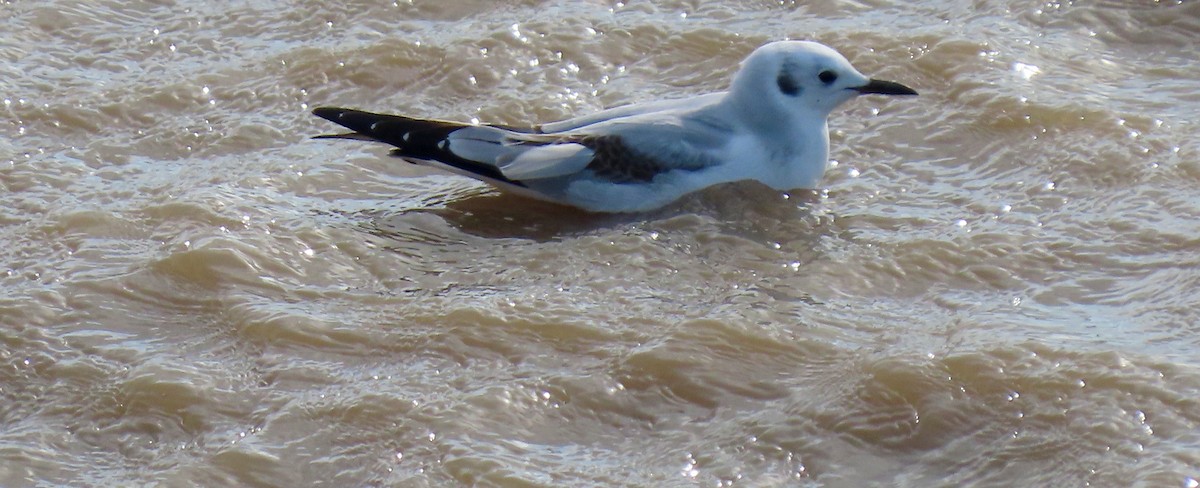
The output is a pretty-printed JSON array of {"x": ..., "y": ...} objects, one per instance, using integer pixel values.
[{"x": 997, "y": 286}]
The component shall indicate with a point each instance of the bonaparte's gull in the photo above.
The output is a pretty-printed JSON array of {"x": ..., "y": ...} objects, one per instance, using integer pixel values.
[{"x": 770, "y": 126}]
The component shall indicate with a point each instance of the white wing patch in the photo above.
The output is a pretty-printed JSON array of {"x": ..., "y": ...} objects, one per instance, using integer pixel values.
[
  {"x": 478, "y": 143},
  {"x": 547, "y": 161},
  {"x": 515, "y": 156}
]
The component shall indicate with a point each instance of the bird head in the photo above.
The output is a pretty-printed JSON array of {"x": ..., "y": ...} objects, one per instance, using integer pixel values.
[{"x": 803, "y": 77}]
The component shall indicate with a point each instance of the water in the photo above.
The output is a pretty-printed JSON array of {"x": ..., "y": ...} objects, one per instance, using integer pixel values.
[{"x": 997, "y": 287}]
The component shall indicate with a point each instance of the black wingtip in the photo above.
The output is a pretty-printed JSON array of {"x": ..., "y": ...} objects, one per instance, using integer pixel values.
[
  {"x": 355, "y": 120},
  {"x": 329, "y": 113},
  {"x": 416, "y": 140}
]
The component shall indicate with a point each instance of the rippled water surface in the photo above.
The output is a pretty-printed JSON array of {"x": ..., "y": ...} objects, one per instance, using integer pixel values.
[{"x": 997, "y": 287}]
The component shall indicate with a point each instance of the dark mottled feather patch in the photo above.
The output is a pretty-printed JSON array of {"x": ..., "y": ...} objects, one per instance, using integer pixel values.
[{"x": 615, "y": 161}]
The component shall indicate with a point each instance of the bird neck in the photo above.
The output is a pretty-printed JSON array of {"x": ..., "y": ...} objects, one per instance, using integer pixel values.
[
  {"x": 811, "y": 157},
  {"x": 800, "y": 152},
  {"x": 797, "y": 141}
]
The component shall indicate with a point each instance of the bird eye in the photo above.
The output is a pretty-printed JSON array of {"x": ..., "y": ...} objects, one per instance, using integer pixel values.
[{"x": 827, "y": 77}]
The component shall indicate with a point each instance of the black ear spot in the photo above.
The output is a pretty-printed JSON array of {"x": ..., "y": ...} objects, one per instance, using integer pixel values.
[
  {"x": 787, "y": 84},
  {"x": 827, "y": 77}
]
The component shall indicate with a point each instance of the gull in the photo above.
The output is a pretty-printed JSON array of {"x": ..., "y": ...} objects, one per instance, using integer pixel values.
[{"x": 770, "y": 126}]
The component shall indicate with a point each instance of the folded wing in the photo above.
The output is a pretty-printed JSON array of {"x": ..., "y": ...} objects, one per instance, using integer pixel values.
[{"x": 632, "y": 149}]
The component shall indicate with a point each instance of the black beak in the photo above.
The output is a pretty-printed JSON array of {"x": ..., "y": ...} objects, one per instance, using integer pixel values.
[{"x": 884, "y": 88}]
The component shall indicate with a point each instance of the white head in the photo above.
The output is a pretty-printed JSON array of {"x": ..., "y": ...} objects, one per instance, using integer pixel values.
[{"x": 790, "y": 77}]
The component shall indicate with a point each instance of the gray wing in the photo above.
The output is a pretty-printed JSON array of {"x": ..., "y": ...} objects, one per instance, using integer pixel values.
[
  {"x": 638, "y": 148},
  {"x": 623, "y": 150},
  {"x": 660, "y": 106}
]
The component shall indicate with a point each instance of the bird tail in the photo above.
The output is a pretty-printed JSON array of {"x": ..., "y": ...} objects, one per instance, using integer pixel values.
[
  {"x": 420, "y": 141},
  {"x": 399, "y": 131},
  {"x": 348, "y": 135}
]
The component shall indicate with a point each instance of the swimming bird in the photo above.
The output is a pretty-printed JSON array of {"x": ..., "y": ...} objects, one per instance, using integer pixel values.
[{"x": 770, "y": 126}]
